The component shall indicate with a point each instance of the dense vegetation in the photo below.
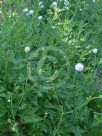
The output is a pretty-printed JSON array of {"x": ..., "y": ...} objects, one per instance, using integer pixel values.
[{"x": 51, "y": 68}]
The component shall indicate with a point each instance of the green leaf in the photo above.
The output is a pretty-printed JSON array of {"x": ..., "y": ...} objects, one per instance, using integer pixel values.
[{"x": 31, "y": 118}]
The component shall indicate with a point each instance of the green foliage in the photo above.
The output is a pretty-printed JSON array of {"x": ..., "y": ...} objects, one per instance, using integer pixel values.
[{"x": 41, "y": 93}]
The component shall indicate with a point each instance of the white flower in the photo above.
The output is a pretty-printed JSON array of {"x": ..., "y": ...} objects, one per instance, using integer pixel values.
[
  {"x": 79, "y": 67},
  {"x": 42, "y": 6},
  {"x": 94, "y": 50},
  {"x": 40, "y": 18},
  {"x": 40, "y": 3},
  {"x": 8, "y": 100},
  {"x": 54, "y": 4},
  {"x": 27, "y": 49},
  {"x": 25, "y": 10},
  {"x": 13, "y": 128},
  {"x": 80, "y": 9},
  {"x": 9, "y": 120},
  {"x": 31, "y": 12},
  {"x": 94, "y": 0}
]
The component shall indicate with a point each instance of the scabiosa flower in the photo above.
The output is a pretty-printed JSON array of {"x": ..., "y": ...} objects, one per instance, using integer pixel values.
[
  {"x": 94, "y": 0},
  {"x": 9, "y": 100},
  {"x": 27, "y": 49},
  {"x": 54, "y": 4},
  {"x": 79, "y": 67},
  {"x": 94, "y": 50},
  {"x": 9, "y": 120},
  {"x": 40, "y": 18},
  {"x": 80, "y": 9},
  {"x": 41, "y": 4},
  {"x": 31, "y": 12},
  {"x": 25, "y": 10}
]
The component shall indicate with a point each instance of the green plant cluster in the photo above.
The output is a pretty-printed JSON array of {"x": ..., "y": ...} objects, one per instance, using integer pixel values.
[{"x": 42, "y": 93}]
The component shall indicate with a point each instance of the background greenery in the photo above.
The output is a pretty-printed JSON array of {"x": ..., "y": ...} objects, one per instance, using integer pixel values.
[{"x": 41, "y": 94}]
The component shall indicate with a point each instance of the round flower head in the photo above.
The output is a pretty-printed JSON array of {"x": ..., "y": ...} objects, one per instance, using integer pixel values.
[
  {"x": 79, "y": 67},
  {"x": 9, "y": 120},
  {"x": 13, "y": 128},
  {"x": 40, "y": 3},
  {"x": 94, "y": 50},
  {"x": 94, "y": 0},
  {"x": 31, "y": 12},
  {"x": 80, "y": 9},
  {"x": 27, "y": 49},
  {"x": 25, "y": 10},
  {"x": 40, "y": 18},
  {"x": 9, "y": 100},
  {"x": 54, "y": 4}
]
